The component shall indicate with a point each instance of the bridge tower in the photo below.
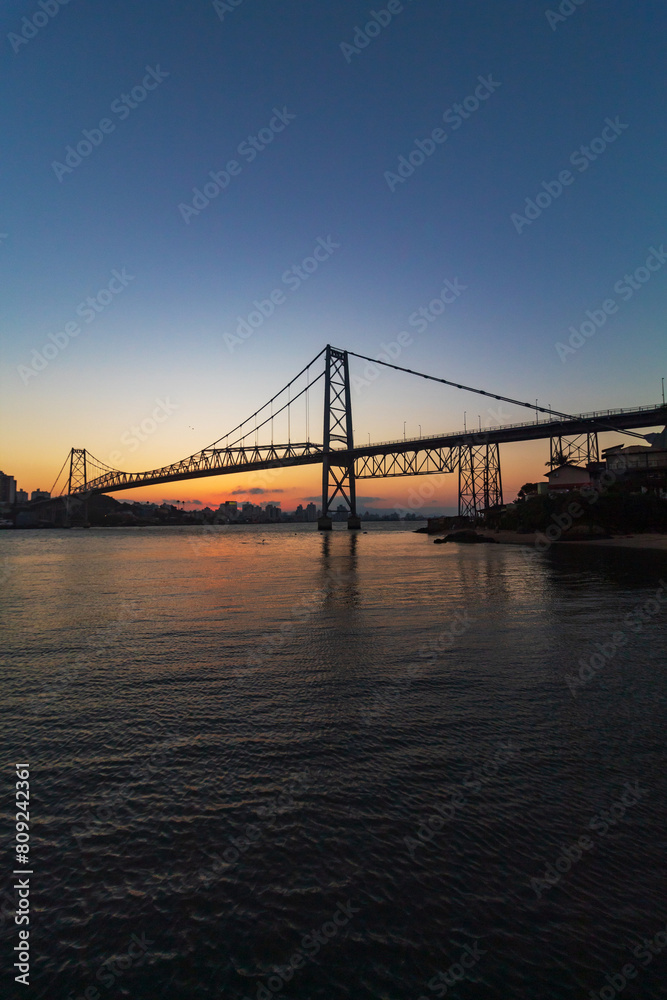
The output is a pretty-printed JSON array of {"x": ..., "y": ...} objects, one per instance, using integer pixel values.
[
  {"x": 338, "y": 480},
  {"x": 480, "y": 483},
  {"x": 76, "y": 504},
  {"x": 77, "y": 470}
]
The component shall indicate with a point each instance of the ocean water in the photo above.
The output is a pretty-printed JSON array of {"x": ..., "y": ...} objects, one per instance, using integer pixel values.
[{"x": 268, "y": 762}]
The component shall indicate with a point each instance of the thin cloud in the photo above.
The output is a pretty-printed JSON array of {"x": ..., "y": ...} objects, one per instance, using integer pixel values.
[{"x": 255, "y": 491}]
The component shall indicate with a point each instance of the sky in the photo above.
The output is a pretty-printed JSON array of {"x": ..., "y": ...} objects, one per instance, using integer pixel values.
[{"x": 499, "y": 166}]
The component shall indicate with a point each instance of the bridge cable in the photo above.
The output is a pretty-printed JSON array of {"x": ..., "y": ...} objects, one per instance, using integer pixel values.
[
  {"x": 492, "y": 395},
  {"x": 53, "y": 488},
  {"x": 268, "y": 419},
  {"x": 239, "y": 426}
]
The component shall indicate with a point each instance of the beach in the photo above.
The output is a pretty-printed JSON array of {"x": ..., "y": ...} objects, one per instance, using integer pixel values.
[{"x": 649, "y": 540}]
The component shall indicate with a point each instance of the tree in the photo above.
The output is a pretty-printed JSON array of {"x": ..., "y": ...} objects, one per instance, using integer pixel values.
[
  {"x": 526, "y": 489},
  {"x": 559, "y": 458}
]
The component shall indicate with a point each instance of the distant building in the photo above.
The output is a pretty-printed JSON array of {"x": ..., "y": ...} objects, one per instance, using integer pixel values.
[
  {"x": 565, "y": 477},
  {"x": 21, "y": 496},
  {"x": 637, "y": 458},
  {"x": 311, "y": 512},
  {"x": 40, "y": 495},
  {"x": 229, "y": 510},
  {"x": 7, "y": 489}
]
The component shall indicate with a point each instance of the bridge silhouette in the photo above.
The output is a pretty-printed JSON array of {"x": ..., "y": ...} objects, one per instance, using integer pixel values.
[{"x": 475, "y": 455}]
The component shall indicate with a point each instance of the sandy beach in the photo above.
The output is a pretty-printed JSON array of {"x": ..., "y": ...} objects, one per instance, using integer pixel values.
[{"x": 653, "y": 541}]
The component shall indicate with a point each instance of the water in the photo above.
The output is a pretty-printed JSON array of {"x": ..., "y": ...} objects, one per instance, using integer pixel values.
[{"x": 242, "y": 737}]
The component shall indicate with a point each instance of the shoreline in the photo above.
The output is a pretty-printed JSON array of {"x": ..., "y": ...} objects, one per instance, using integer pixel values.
[{"x": 651, "y": 541}]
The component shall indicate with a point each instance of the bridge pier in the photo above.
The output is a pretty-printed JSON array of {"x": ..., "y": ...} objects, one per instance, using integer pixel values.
[{"x": 480, "y": 483}]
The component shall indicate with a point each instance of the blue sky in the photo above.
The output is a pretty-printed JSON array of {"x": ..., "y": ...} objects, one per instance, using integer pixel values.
[{"x": 332, "y": 124}]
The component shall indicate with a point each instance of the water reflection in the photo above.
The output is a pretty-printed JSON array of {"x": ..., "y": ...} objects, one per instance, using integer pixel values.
[{"x": 338, "y": 569}]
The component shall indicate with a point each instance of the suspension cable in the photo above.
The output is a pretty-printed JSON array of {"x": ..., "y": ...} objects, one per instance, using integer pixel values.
[
  {"x": 492, "y": 395},
  {"x": 53, "y": 488},
  {"x": 277, "y": 413},
  {"x": 291, "y": 382}
]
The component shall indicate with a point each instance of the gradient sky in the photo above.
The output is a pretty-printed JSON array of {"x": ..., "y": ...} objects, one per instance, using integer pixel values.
[{"x": 223, "y": 69}]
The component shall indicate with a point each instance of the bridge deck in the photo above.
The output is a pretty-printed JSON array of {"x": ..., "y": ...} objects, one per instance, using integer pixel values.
[{"x": 222, "y": 461}]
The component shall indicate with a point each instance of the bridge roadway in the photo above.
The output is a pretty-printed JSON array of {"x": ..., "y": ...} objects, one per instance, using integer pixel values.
[{"x": 405, "y": 457}]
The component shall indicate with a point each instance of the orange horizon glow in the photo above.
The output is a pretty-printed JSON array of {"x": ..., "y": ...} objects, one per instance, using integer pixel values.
[{"x": 520, "y": 463}]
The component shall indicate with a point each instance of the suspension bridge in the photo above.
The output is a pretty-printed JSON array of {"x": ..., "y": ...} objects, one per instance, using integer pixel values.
[{"x": 265, "y": 440}]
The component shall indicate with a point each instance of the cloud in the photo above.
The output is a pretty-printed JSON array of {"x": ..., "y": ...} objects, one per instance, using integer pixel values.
[
  {"x": 195, "y": 503},
  {"x": 255, "y": 491}
]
